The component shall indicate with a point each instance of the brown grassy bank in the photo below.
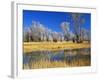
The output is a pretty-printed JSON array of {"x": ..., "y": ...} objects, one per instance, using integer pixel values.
[
  {"x": 55, "y": 64},
  {"x": 36, "y": 46}
]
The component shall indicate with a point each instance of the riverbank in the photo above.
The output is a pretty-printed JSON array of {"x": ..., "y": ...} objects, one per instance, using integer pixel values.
[
  {"x": 56, "y": 64},
  {"x": 37, "y": 46}
]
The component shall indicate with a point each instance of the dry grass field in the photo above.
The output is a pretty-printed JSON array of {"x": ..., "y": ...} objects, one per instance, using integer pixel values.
[
  {"x": 37, "y": 46},
  {"x": 54, "y": 64}
]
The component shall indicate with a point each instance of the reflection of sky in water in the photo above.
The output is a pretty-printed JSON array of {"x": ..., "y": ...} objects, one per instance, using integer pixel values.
[{"x": 63, "y": 55}]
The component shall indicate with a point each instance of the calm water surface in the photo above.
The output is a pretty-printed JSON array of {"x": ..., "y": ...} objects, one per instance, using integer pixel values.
[{"x": 60, "y": 55}]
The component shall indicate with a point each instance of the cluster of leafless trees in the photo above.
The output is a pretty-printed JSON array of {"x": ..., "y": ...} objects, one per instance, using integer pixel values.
[
  {"x": 81, "y": 34},
  {"x": 38, "y": 32}
]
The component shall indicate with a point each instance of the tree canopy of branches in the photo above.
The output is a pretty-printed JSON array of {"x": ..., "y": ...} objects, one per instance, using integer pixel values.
[
  {"x": 38, "y": 32},
  {"x": 77, "y": 24},
  {"x": 65, "y": 29}
]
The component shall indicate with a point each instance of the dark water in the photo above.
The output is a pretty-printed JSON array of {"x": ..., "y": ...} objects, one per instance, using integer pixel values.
[{"x": 60, "y": 55}]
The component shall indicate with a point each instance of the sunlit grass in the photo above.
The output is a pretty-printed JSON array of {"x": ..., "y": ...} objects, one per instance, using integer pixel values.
[
  {"x": 37, "y": 46},
  {"x": 55, "y": 64}
]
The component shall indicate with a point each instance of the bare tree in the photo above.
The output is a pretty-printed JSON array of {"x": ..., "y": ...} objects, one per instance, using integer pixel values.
[
  {"x": 77, "y": 24},
  {"x": 72, "y": 36},
  {"x": 65, "y": 29}
]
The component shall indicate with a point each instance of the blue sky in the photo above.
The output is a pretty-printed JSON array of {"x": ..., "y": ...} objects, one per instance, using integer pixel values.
[{"x": 52, "y": 20}]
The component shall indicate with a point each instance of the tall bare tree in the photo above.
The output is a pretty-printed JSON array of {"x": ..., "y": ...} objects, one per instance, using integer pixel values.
[
  {"x": 65, "y": 29},
  {"x": 77, "y": 24}
]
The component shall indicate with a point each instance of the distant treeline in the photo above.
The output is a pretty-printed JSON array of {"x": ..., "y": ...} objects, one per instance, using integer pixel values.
[{"x": 39, "y": 32}]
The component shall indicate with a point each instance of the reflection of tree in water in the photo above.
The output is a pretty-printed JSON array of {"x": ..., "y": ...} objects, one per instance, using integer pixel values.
[
  {"x": 34, "y": 57},
  {"x": 57, "y": 56},
  {"x": 76, "y": 55},
  {"x": 69, "y": 56}
]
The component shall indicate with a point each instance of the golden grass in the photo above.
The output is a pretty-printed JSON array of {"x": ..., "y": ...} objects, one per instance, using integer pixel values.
[
  {"x": 37, "y": 46},
  {"x": 55, "y": 64}
]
